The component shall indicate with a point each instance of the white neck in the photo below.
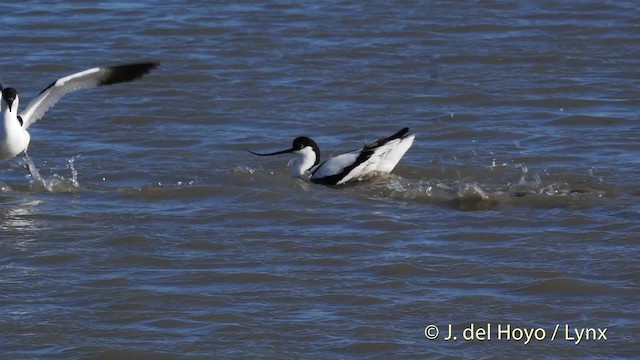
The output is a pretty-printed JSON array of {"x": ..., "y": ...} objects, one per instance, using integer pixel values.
[
  {"x": 14, "y": 139},
  {"x": 11, "y": 117},
  {"x": 305, "y": 158}
]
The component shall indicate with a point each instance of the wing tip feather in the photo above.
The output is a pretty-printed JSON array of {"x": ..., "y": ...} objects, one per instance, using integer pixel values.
[
  {"x": 398, "y": 135},
  {"x": 127, "y": 72}
]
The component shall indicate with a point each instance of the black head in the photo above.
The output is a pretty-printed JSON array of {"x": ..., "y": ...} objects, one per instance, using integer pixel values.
[
  {"x": 302, "y": 142},
  {"x": 9, "y": 95},
  {"x": 299, "y": 143}
]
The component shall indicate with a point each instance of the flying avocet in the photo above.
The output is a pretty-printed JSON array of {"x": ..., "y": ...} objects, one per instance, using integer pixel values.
[{"x": 14, "y": 138}]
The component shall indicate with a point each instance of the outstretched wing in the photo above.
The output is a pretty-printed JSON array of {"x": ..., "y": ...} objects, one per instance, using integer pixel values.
[{"x": 89, "y": 78}]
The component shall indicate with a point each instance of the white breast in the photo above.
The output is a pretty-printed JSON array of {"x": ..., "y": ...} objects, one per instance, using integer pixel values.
[{"x": 304, "y": 160}]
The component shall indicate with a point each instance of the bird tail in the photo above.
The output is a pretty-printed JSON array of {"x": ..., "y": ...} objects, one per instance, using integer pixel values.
[{"x": 400, "y": 134}]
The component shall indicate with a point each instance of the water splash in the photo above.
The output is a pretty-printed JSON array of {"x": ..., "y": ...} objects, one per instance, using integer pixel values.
[
  {"x": 74, "y": 172},
  {"x": 525, "y": 171},
  {"x": 57, "y": 183},
  {"x": 244, "y": 170},
  {"x": 482, "y": 192},
  {"x": 35, "y": 173}
]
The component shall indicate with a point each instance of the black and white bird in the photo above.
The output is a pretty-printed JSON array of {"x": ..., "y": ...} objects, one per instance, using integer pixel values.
[
  {"x": 14, "y": 138},
  {"x": 380, "y": 156}
]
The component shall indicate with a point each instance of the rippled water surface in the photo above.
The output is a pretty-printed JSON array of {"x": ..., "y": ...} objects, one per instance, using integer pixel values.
[{"x": 154, "y": 234}]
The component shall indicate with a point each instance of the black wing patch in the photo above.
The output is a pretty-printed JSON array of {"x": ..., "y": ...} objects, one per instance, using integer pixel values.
[
  {"x": 124, "y": 73},
  {"x": 119, "y": 73},
  {"x": 48, "y": 87},
  {"x": 334, "y": 179},
  {"x": 383, "y": 141}
]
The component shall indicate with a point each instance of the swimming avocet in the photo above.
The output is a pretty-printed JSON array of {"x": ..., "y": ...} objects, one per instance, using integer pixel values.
[{"x": 381, "y": 155}]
